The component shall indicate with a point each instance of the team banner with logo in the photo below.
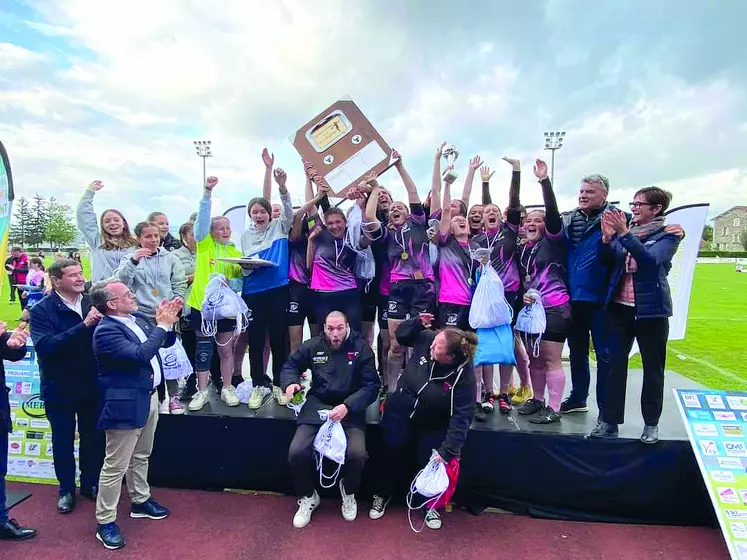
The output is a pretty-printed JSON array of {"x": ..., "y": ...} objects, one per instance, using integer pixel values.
[
  {"x": 6, "y": 205},
  {"x": 30, "y": 443},
  {"x": 716, "y": 423}
]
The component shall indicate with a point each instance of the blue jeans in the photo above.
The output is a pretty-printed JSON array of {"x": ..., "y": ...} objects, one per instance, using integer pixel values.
[
  {"x": 586, "y": 318},
  {"x": 3, "y": 472}
]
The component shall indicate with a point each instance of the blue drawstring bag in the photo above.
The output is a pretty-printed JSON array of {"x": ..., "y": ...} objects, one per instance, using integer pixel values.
[{"x": 495, "y": 346}]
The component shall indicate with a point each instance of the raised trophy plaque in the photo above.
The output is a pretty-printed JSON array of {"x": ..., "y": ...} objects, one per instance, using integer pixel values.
[{"x": 342, "y": 145}]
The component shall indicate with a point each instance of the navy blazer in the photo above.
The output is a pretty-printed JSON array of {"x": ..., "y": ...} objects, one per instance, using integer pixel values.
[
  {"x": 654, "y": 259},
  {"x": 125, "y": 372},
  {"x": 64, "y": 348},
  {"x": 12, "y": 355}
]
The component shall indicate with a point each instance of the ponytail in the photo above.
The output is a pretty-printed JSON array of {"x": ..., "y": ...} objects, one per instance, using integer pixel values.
[{"x": 461, "y": 344}]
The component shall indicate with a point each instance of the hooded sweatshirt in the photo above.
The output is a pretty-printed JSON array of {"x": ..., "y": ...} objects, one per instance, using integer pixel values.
[
  {"x": 103, "y": 261},
  {"x": 152, "y": 279}
]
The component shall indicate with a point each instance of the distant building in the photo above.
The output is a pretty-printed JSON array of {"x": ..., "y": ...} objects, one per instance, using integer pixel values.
[{"x": 728, "y": 227}]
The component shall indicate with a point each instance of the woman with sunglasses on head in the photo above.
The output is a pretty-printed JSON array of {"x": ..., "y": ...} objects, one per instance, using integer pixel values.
[
  {"x": 265, "y": 290},
  {"x": 153, "y": 273},
  {"x": 638, "y": 305},
  {"x": 213, "y": 243},
  {"x": 431, "y": 408},
  {"x": 542, "y": 268},
  {"x": 109, "y": 239},
  {"x": 412, "y": 288},
  {"x": 501, "y": 239}
]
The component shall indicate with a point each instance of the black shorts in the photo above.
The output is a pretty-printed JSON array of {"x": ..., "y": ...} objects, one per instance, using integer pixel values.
[
  {"x": 224, "y": 325},
  {"x": 346, "y": 301},
  {"x": 558, "y": 323},
  {"x": 369, "y": 301},
  {"x": 409, "y": 298},
  {"x": 453, "y": 315},
  {"x": 382, "y": 307},
  {"x": 300, "y": 304}
]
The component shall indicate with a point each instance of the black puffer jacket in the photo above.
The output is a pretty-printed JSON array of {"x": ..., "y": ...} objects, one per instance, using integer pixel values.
[
  {"x": 435, "y": 396},
  {"x": 343, "y": 376}
]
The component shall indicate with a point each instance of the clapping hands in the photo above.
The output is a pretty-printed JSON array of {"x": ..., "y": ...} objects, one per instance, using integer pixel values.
[{"x": 167, "y": 312}]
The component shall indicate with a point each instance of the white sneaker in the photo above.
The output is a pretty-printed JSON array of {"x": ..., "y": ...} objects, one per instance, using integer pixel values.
[
  {"x": 433, "y": 519},
  {"x": 228, "y": 396},
  {"x": 257, "y": 397},
  {"x": 306, "y": 507},
  {"x": 378, "y": 508},
  {"x": 199, "y": 400},
  {"x": 280, "y": 396},
  {"x": 349, "y": 505},
  {"x": 163, "y": 407}
]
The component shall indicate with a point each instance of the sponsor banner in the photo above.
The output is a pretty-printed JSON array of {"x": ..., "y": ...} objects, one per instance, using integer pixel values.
[{"x": 716, "y": 426}]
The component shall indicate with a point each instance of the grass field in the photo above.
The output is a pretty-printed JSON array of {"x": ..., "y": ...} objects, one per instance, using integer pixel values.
[{"x": 714, "y": 352}]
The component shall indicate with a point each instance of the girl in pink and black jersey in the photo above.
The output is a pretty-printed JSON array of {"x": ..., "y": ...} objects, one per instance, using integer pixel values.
[
  {"x": 412, "y": 289},
  {"x": 455, "y": 267},
  {"x": 542, "y": 268}
]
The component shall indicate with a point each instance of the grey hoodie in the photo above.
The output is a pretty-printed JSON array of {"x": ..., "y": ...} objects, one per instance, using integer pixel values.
[
  {"x": 152, "y": 279},
  {"x": 103, "y": 261}
]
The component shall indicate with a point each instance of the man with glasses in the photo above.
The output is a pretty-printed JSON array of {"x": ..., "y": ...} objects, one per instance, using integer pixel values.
[{"x": 126, "y": 349}]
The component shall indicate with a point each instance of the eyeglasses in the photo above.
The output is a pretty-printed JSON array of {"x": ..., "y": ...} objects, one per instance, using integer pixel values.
[
  {"x": 636, "y": 205},
  {"x": 128, "y": 294}
]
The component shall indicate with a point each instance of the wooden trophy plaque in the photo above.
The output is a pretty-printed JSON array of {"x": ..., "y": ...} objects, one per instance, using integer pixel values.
[{"x": 343, "y": 146}]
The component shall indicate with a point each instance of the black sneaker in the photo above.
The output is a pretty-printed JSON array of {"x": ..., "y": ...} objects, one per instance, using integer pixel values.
[
  {"x": 650, "y": 434},
  {"x": 187, "y": 392},
  {"x": 479, "y": 413},
  {"x": 604, "y": 430},
  {"x": 532, "y": 406},
  {"x": 110, "y": 536},
  {"x": 545, "y": 416},
  {"x": 569, "y": 406},
  {"x": 149, "y": 509},
  {"x": 379, "y": 506}
]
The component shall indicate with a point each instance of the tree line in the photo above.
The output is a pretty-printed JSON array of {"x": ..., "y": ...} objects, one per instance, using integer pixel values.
[{"x": 39, "y": 221}]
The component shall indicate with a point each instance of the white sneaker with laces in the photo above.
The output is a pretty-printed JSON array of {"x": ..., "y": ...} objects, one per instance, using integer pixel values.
[
  {"x": 433, "y": 519},
  {"x": 175, "y": 406},
  {"x": 199, "y": 400},
  {"x": 228, "y": 396},
  {"x": 349, "y": 505},
  {"x": 378, "y": 509},
  {"x": 306, "y": 507},
  {"x": 280, "y": 396},
  {"x": 257, "y": 397}
]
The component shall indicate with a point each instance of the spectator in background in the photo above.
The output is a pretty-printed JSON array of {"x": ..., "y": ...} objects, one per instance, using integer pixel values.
[
  {"x": 168, "y": 241},
  {"x": 12, "y": 348},
  {"x": 109, "y": 239},
  {"x": 34, "y": 288},
  {"x": 17, "y": 267},
  {"x": 9, "y": 272},
  {"x": 62, "y": 326}
]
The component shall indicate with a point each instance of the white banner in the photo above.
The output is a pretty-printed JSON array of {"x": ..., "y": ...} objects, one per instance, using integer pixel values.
[
  {"x": 237, "y": 217},
  {"x": 692, "y": 218}
]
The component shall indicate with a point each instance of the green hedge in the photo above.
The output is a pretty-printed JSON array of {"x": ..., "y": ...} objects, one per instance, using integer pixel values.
[{"x": 724, "y": 254}]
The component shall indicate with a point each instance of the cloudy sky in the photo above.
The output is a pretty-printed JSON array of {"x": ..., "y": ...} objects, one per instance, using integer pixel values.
[{"x": 647, "y": 92}]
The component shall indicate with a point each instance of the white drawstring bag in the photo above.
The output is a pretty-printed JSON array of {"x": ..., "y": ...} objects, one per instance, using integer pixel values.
[
  {"x": 532, "y": 320},
  {"x": 431, "y": 483},
  {"x": 489, "y": 306},
  {"x": 365, "y": 265},
  {"x": 221, "y": 302},
  {"x": 244, "y": 391},
  {"x": 330, "y": 442},
  {"x": 175, "y": 363}
]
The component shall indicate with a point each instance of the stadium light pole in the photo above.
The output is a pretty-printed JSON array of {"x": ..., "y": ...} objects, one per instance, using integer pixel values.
[
  {"x": 204, "y": 150},
  {"x": 553, "y": 142}
]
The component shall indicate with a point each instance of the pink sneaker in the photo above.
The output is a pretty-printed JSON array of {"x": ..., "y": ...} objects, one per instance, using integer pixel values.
[{"x": 175, "y": 407}]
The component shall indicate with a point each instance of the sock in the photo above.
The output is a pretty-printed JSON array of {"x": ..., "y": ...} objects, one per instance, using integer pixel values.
[{"x": 555, "y": 387}]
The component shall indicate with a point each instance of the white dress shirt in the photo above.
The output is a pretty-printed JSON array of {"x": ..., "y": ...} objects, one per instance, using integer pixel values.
[
  {"x": 131, "y": 324},
  {"x": 76, "y": 305}
]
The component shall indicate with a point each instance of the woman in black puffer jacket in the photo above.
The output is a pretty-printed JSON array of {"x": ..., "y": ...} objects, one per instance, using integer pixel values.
[{"x": 432, "y": 407}]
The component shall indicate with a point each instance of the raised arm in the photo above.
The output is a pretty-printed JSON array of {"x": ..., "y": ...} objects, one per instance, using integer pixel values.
[
  {"x": 474, "y": 165},
  {"x": 269, "y": 161},
  {"x": 286, "y": 216},
  {"x": 86, "y": 216},
  {"x": 513, "y": 216},
  {"x": 553, "y": 223},
  {"x": 412, "y": 190},
  {"x": 485, "y": 176},
  {"x": 434, "y": 197},
  {"x": 311, "y": 248},
  {"x": 202, "y": 223},
  {"x": 445, "y": 223}
]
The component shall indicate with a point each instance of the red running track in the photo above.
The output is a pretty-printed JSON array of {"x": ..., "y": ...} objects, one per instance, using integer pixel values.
[{"x": 228, "y": 526}]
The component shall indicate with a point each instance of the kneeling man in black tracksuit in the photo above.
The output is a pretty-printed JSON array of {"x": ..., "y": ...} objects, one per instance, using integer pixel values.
[{"x": 343, "y": 380}]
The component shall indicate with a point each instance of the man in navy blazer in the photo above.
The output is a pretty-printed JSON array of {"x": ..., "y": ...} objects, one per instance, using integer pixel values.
[
  {"x": 62, "y": 330},
  {"x": 126, "y": 349}
]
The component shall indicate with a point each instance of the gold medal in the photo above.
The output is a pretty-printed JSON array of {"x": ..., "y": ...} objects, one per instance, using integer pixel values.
[
  {"x": 154, "y": 291},
  {"x": 404, "y": 256},
  {"x": 469, "y": 281}
]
